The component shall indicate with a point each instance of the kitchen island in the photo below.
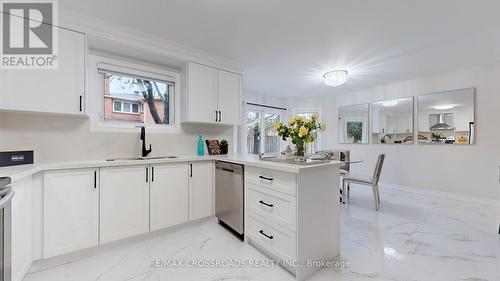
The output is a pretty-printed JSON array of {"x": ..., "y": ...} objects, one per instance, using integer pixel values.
[
  {"x": 292, "y": 211},
  {"x": 294, "y": 216}
]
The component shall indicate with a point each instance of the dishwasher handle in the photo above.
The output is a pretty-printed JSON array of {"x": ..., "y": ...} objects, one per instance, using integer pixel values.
[{"x": 225, "y": 169}]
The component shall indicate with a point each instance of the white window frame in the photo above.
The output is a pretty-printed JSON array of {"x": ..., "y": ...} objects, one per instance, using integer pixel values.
[
  {"x": 96, "y": 100},
  {"x": 131, "y": 106},
  {"x": 311, "y": 110},
  {"x": 262, "y": 111}
]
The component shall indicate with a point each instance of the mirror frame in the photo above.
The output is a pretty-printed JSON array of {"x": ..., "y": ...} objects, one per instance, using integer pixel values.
[{"x": 368, "y": 122}]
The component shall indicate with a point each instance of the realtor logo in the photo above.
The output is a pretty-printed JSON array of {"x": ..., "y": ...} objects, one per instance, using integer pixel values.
[{"x": 29, "y": 35}]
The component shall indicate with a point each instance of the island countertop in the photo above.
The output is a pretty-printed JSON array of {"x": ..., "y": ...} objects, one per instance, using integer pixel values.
[{"x": 18, "y": 172}]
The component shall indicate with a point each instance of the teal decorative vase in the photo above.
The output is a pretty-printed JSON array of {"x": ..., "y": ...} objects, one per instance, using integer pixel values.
[{"x": 201, "y": 149}]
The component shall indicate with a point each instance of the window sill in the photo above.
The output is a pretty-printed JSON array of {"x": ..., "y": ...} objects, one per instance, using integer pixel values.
[{"x": 102, "y": 127}]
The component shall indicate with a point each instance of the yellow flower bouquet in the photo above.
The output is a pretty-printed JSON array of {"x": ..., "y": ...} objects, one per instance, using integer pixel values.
[{"x": 300, "y": 130}]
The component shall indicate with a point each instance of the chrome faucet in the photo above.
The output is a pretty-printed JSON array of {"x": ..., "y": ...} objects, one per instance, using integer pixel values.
[{"x": 145, "y": 151}]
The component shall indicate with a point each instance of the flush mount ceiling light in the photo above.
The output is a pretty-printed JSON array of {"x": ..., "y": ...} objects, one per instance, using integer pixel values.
[
  {"x": 390, "y": 103},
  {"x": 444, "y": 106},
  {"x": 335, "y": 78}
]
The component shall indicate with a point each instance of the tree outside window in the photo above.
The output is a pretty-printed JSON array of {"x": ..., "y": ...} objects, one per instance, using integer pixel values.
[{"x": 132, "y": 99}]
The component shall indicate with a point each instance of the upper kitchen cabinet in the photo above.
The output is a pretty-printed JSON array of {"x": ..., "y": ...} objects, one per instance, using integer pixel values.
[
  {"x": 55, "y": 91},
  {"x": 211, "y": 95},
  {"x": 229, "y": 97}
]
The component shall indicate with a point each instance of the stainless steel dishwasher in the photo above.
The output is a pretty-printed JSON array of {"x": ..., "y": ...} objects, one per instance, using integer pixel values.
[{"x": 229, "y": 196}]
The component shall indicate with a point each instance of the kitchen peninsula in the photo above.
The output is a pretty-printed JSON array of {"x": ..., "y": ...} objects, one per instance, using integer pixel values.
[{"x": 298, "y": 226}]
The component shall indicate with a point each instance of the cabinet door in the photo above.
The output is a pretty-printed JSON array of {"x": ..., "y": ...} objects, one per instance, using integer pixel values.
[
  {"x": 201, "y": 202},
  {"x": 49, "y": 90},
  {"x": 229, "y": 97},
  {"x": 70, "y": 211},
  {"x": 124, "y": 204},
  {"x": 169, "y": 195},
  {"x": 201, "y": 93},
  {"x": 423, "y": 123}
]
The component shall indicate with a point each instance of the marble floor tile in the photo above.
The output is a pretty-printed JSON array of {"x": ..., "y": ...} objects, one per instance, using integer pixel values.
[{"x": 412, "y": 237}]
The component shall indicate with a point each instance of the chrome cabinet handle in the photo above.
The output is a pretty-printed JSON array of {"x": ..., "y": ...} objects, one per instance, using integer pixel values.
[
  {"x": 268, "y": 236},
  {"x": 6, "y": 199},
  {"x": 266, "y": 204}
]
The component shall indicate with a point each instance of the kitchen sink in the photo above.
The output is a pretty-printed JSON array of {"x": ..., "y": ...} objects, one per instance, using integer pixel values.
[{"x": 142, "y": 158}]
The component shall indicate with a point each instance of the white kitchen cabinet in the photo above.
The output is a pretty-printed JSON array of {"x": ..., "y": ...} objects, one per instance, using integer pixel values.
[
  {"x": 59, "y": 91},
  {"x": 404, "y": 124},
  {"x": 423, "y": 123},
  {"x": 168, "y": 195},
  {"x": 201, "y": 96},
  {"x": 391, "y": 124},
  {"x": 229, "y": 97},
  {"x": 211, "y": 95},
  {"x": 124, "y": 202},
  {"x": 70, "y": 211},
  {"x": 293, "y": 216},
  {"x": 461, "y": 120},
  {"x": 201, "y": 200}
]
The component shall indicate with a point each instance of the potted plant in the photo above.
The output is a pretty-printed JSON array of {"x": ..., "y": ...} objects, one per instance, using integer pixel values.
[
  {"x": 300, "y": 130},
  {"x": 437, "y": 137},
  {"x": 224, "y": 146}
]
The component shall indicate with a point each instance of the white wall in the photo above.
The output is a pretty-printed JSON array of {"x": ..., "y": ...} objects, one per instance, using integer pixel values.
[
  {"x": 65, "y": 138},
  {"x": 464, "y": 170}
]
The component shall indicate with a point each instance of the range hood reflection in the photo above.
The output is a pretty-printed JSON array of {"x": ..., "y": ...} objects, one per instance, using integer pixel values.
[{"x": 441, "y": 124}]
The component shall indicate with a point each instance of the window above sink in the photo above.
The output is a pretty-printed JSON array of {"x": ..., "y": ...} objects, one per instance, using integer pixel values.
[{"x": 124, "y": 96}]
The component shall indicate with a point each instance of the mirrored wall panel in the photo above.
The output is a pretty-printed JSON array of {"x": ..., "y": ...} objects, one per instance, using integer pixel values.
[
  {"x": 392, "y": 121},
  {"x": 446, "y": 117},
  {"x": 353, "y": 123}
]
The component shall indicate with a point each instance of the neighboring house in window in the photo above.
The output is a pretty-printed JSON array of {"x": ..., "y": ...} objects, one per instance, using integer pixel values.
[
  {"x": 124, "y": 103},
  {"x": 125, "y": 95}
]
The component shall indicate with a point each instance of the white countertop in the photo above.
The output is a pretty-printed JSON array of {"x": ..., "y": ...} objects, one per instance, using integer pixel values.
[{"x": 18, "y": 172}]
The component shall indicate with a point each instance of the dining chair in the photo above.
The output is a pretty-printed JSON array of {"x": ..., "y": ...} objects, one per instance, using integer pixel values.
[
  {"x": 343, "y": 156},
  {"x": 373, "y": 182}
]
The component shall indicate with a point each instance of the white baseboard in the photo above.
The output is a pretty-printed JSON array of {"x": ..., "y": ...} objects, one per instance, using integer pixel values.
[
  {"x": 443, "y": 194},
  {"x": 20, "y": 275}
]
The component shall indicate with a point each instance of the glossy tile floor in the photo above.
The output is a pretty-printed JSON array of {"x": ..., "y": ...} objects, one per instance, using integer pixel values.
[{"x": 412, "y": 237}]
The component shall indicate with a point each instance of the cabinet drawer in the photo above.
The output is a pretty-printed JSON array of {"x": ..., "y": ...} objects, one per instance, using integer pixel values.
[
  {"x": 275, "y": 206},
  {"x": 276, "y": 180},
  {"x": 275, "y": 239}
]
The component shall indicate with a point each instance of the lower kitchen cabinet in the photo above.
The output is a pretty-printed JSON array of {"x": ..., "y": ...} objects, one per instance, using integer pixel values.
[
  {"x": 70, "y": 211},
  {"x": 168, "y": 195},
  {"x": 201, "y": 199},
  {"x": 124, "y": 202}
]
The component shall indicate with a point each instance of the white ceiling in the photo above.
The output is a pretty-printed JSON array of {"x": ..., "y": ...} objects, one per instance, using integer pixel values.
[{"x": 286, "y": 45}]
